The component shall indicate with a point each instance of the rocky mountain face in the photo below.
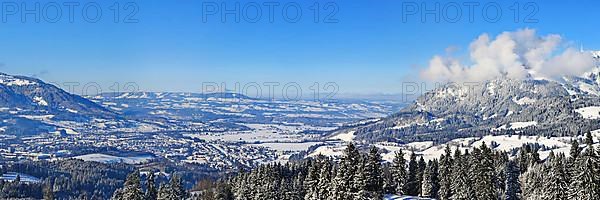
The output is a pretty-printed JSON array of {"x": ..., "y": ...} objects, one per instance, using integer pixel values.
[{"x": 503, "y": 106}]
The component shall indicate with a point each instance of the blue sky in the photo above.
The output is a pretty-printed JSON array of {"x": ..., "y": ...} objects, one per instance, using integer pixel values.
[{"x": 369, "y": 50}]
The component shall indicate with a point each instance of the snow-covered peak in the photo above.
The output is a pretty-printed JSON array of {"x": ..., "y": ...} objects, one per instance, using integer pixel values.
[
  {"x": 596, "y": 54},
  {"x": 31, "y": 93},
  {"x": 586, "y": 84},
  {"x": 14, "y": 81}
]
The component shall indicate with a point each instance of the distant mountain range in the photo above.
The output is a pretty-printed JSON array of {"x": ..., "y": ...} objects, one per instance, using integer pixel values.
[
  {"x": 565, "y": 107},
  {"x": 29, "y": 106},
  {"x": 158, "y": 95}
]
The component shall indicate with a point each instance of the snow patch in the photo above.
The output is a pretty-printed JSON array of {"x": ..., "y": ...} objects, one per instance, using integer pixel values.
[
  {"x": 490, "y": 117},
  {"x": 70, "y": 131},
  {"x": 515, "y": 125},
  {"x": 347, "y": 137},
  {"x": 590, "y": 89},
  {"x": 25, "y": 178},
  {"x": 71, "y": 110},
  {"x": 396, "y": 197},
  {"x": 592, "y": 112},
  {"x": 420, "y": 145},
  {"x": 523, "y": 101},
  {"x": 103, "y": 158},
  {"x": 330, "y": 151},
  {"x": 12, "y": 81},
  {"x": 491, "y": 88},
  {"x": 303, "y": 146},
  {"x": 40, "y": 101},
  {"x": 506, "y": 142}
]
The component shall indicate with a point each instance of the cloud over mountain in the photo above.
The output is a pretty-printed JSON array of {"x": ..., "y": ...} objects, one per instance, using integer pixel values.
[{"x": 516, "y": 55}]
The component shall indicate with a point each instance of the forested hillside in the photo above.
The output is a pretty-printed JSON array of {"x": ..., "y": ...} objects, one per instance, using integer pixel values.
[
  {"x": 64, "y": 179},
  {"x": 480, "y": 174},
  {"x": 548, "y": 108}
]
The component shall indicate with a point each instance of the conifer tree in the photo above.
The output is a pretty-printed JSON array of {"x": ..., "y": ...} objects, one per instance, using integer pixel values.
[
  {"x": 340, "y": 183},
  {"x": 411, "y": 187},
  {"x": 359, "y": 181},
  {"x": 421, "y": 170},
  {"x": 445, "y": 171},
  {"x": 399, "y": 173},
  {"x": 297, "y": 192},
  {"x": 462, "y": 185},
  {"x": 164, "y": 192},
  {"x": 500, "y": 160},
  {"x": 352, "y": 161},
  {"x": 589, "y": 141},
  {"x": 151, "y": 191},
  {"x": 584, "y": 184},
  {"x": 311, "y": 182},
  {"x": 428, "y": 183},
  {"x": 118, "y": 194},
  {"x": 575, "y": 150},
  {"x": 389, "y": 186},
  {"x": 556, "y": 181},
  {"x": 513, "y": 186},
  {"x": 523, "y": 158},
  {"x": 532, "y": 182},
  {"x": 324, "y": 181},
  {"x": 534, "y": 157},
  {"x": 176, "y": 185},
  {"x": 435, "y": 178},
  {"x": 572, "y": 167},
  {"x": 132, "y": 190},
  {"x": 372, "y": 175},
  {"x": 484, "y": 173},
  {"x": 48, "y": 193}
]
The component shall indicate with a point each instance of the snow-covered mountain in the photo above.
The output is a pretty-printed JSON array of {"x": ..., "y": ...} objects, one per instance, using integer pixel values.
[
  {"x": 589, "y": 83},
  {"x": 219, "y": 131},
  {"x": 545, "y": 107},
  {"x": 33, "y": 94},
  {"x": 29, "y": 106}
]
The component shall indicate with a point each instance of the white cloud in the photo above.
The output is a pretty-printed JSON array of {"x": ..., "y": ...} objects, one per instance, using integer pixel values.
[
  {"x": 516, "y": 55},
  {"x": 570, "y": 62}
]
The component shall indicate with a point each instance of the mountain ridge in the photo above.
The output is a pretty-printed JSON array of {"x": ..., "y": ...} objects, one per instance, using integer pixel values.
[
  {"x": 30, "y": 93},
  {"x": 501, "y": 106}
]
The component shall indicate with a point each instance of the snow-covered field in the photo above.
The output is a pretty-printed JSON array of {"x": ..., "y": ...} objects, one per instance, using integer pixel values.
[
  {"x": 103, "y": 158},
  {"x": 430, "y": 151},
  {"x": 329, "y": 150},
  {"x": 250, "y": 137},
  {"x": 348, "y": 136},
  {"x": 396, "y": 197},
  {"x": 301, "y": 146},
  {"x": 592, "y": 112},
  {"x": 515, "y": 125},
  {"x": 262, "y": 133},
  {"x": 25, "y": 178},
  {"x": 523, "y": 101},
  {"x": 502, "y": 143}
]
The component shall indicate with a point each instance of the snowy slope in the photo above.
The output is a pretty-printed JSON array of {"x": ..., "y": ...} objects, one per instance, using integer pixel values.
[
  {"x": 103, "y": 158},
  {"x": 25, "y": 178},
  {"x": 429, "y": 151},
  {"x": 592, "y": 112},
  {"x": 396, "y": 197}
]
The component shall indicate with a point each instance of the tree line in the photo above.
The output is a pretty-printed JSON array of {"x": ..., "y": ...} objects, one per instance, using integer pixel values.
[
  {"x": 63, "y": 179},
  {"x": 133, "y": 189},
  {"x": 480, "y": 174}
]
